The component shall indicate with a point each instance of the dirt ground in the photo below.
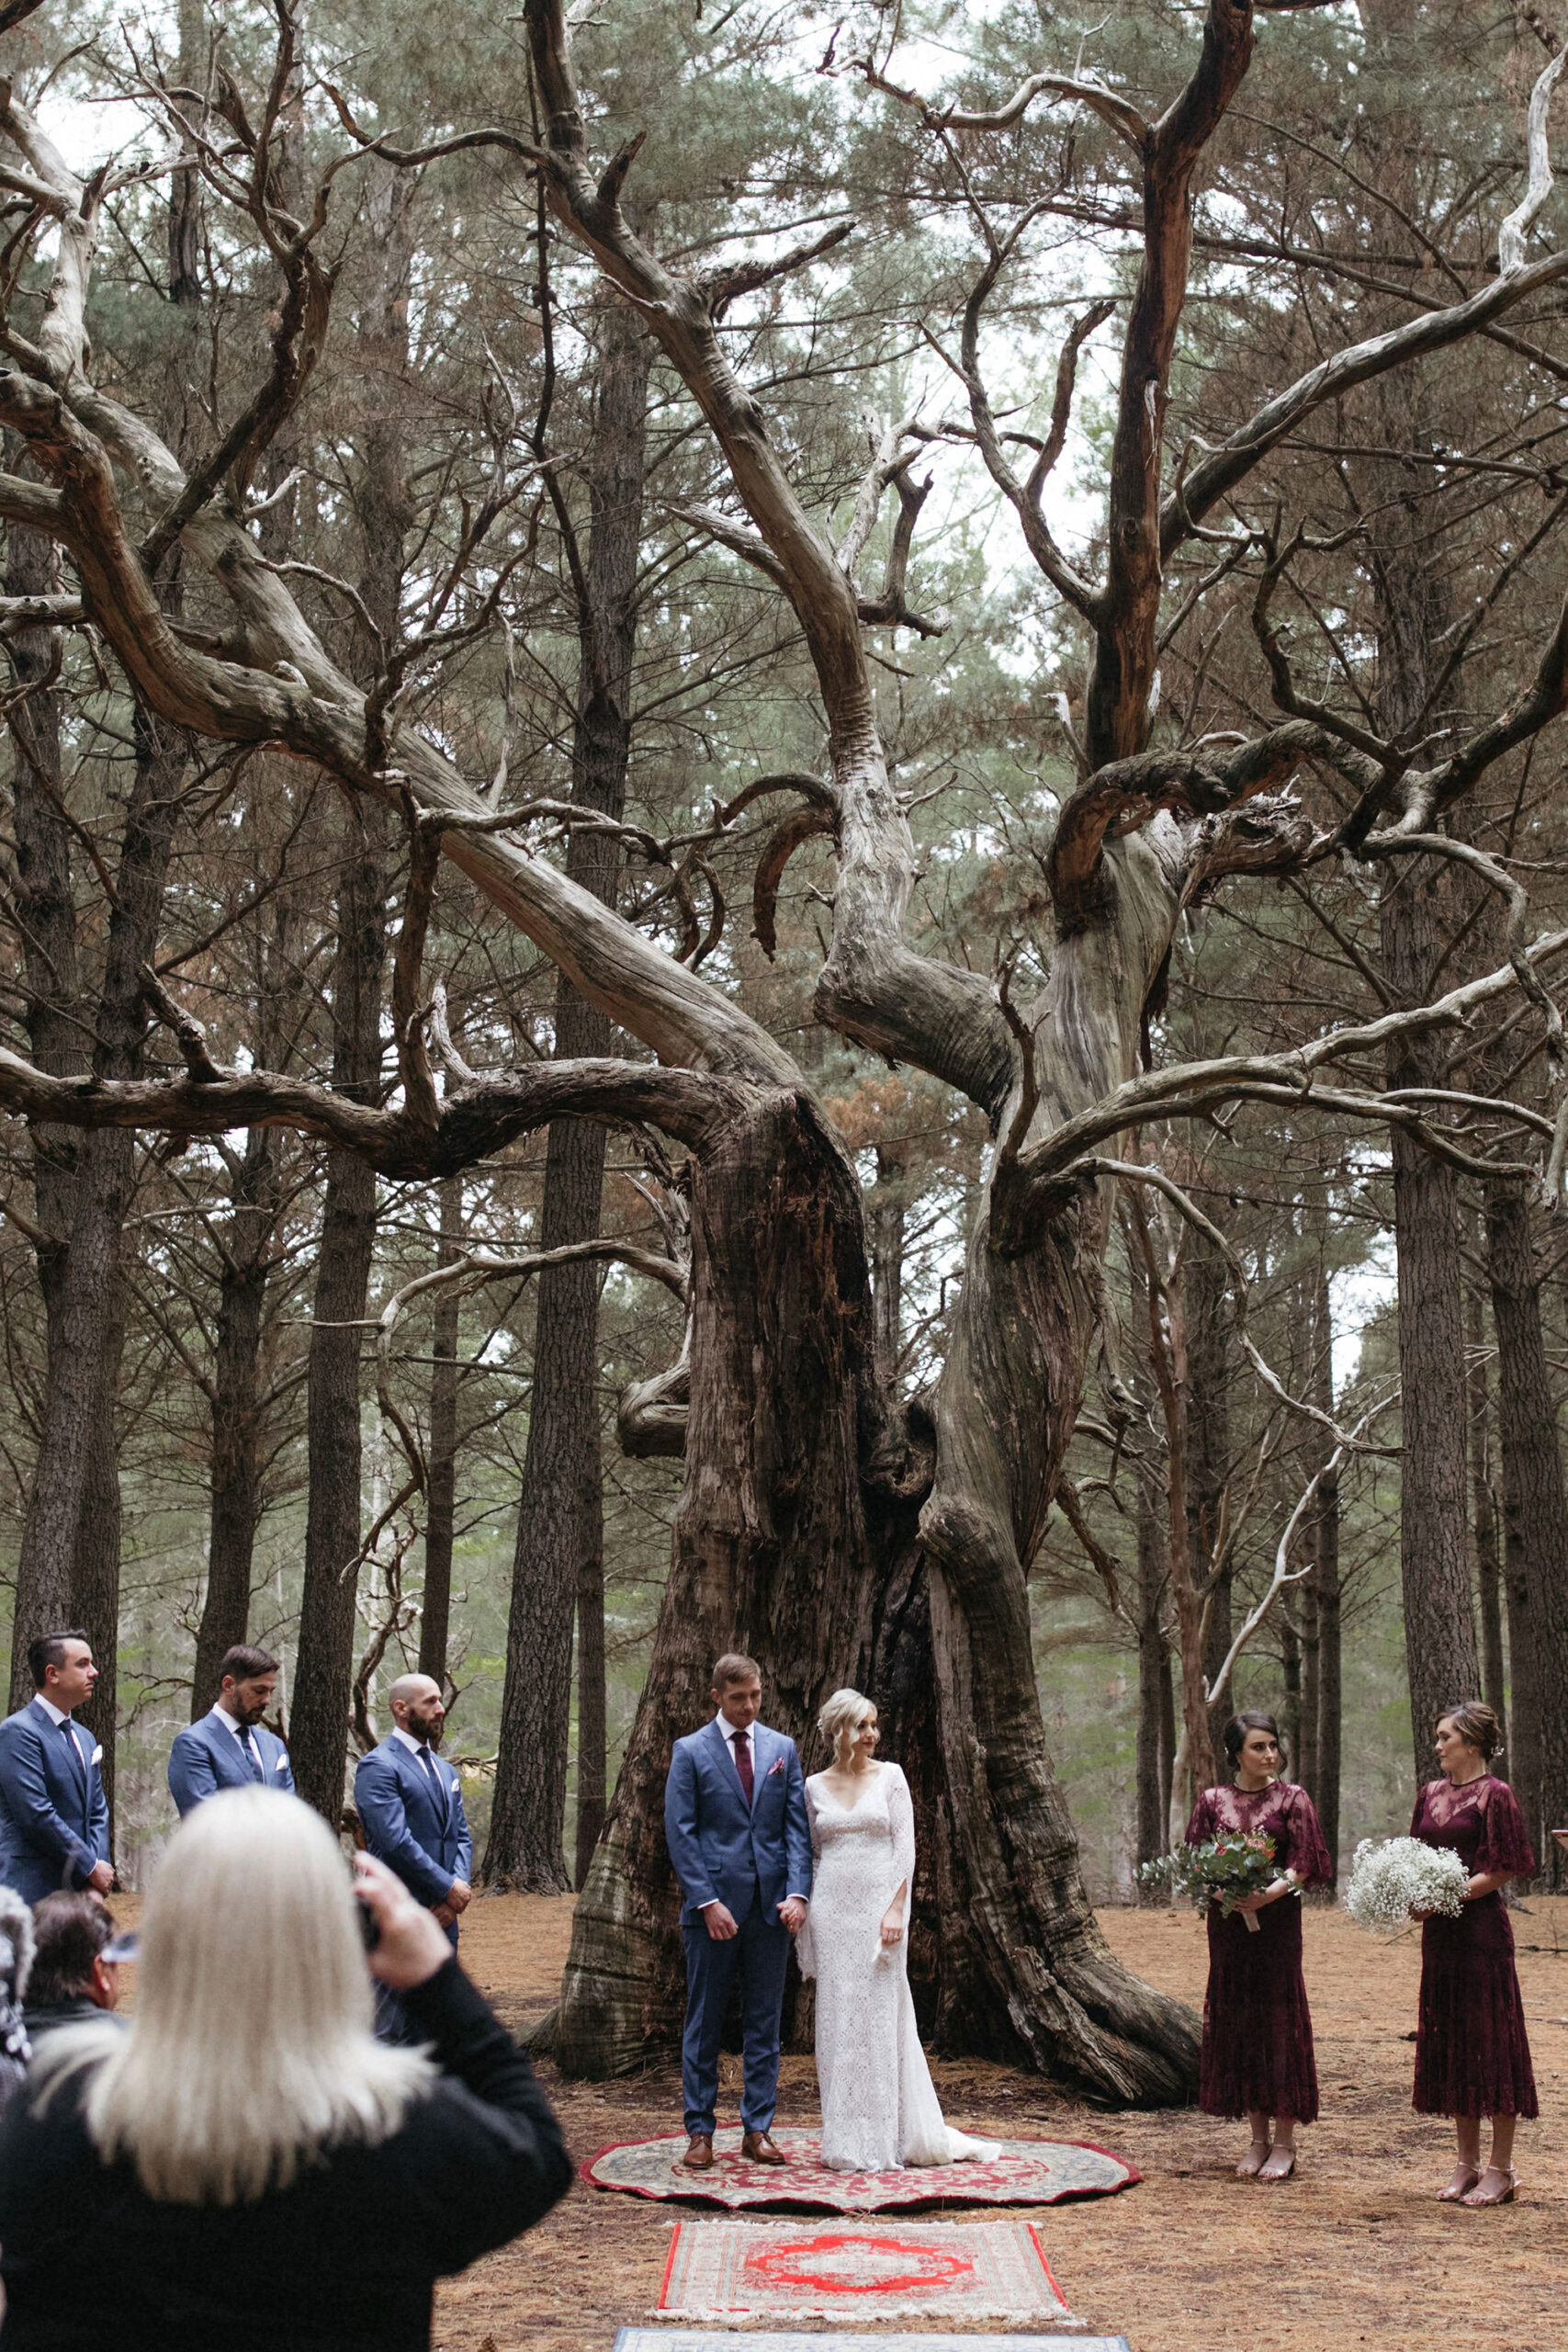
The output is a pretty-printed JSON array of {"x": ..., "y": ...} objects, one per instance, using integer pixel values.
[{"x": 1353, "y": 2251}]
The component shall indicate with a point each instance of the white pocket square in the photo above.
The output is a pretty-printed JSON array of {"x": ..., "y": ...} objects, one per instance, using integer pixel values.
[
  {"x": 281, "y": 1765},
  {"x": 97, "y": 1755}
]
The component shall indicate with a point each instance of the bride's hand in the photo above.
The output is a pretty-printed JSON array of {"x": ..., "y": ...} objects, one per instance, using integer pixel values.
[{"x": 892, "y": 1926}]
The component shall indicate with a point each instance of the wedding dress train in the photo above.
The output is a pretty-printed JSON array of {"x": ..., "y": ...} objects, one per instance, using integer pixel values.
[{"x": 879, "y": 2107}]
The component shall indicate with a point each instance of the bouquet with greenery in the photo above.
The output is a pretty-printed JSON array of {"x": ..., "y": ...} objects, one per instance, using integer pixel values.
[
  {"x": 1226, "y": 1870},
  {"x": 1391, "y": 1877}
]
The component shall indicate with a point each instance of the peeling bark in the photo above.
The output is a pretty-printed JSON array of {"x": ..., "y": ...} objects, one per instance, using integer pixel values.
[{"x": 772, "y": 1550}]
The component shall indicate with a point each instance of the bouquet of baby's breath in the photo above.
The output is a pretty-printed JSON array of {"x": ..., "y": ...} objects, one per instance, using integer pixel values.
[
  {"x": 1223, "y": 1871},
  {"x": 1391, "y": 1877}
]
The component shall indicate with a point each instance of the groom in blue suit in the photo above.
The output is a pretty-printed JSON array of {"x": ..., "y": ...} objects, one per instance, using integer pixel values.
[{"x": 736, "y": 1824}]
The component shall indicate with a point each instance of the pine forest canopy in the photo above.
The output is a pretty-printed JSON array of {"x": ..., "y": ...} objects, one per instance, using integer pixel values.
[{"x": 1066, "y": 511}]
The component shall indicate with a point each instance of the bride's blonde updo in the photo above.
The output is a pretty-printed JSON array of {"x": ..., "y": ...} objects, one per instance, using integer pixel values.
[{"x": 841, "y": 1716}]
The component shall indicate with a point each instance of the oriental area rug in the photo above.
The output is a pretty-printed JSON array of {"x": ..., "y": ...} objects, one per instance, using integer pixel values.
[
  {"x": 1027, "y": 2172},
  {"x": 702, "y": 2339},
  {"x": 732, "y": 2272}
]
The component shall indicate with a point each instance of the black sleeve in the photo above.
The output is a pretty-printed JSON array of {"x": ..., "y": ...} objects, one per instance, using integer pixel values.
[{"x": 483, "y": 2158}]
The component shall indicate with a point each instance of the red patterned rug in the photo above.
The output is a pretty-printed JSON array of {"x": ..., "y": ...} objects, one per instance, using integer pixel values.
[
  {"x": 967, "y": 2271},
  {"x": 1027, "y": 2172}
]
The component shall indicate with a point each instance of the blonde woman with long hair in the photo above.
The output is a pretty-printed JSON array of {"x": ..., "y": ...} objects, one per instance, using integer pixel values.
[
  {"x": 879, "y": 2107},
  {"x": 247, "y": 2151}
]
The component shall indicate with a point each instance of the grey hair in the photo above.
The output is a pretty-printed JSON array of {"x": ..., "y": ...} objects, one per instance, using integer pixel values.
[
  {"x": 15, "y": 1944},
  {"x": 251, "y": 1981},
  {"x": 840, "y": 1718}
]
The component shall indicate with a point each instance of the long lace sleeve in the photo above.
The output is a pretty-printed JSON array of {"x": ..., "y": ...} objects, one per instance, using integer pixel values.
[
  {"x": 1505, "y": 1841},
  {"x": 902, "y": 1821},
  {"x": 1306, "y": 1855},
  {"x": 1201, "y": 1827}
]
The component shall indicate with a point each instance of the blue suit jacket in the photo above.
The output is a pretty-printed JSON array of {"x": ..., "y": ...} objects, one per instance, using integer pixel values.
[
  {"x": 205, "y": 1757},
  {"x": 54, "y": 1817},
  {"x": 407, "y": 1827},
  {"x": 718, "y": 1844}
]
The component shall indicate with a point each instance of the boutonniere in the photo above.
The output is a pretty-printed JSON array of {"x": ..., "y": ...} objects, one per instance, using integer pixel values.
[{"x": 783, "y": 1765}]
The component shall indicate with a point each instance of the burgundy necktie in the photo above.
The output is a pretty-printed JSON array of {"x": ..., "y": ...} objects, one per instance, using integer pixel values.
[{"x": 743, "y": 1764}]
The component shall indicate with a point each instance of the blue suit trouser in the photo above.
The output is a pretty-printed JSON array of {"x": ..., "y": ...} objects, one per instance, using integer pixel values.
[{"x": 759, "y": 1955}]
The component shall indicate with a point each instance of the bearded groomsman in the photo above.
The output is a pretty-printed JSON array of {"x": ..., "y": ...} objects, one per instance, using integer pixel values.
[
  {"x": 54, "y": 1816},
  {"x": 229, "y": 1747},
  {"x": 410, "y": 1802}
]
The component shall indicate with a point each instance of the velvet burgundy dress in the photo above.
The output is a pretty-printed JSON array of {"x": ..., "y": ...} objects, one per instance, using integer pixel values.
[
  {"x": 1258, "y": 2055},
  {"x": 1472, "y": 2054}
]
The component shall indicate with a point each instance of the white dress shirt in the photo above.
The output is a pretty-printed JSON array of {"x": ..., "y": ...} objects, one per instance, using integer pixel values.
[
  {"x": 51, "y": 1710},
  {"x": 227, "y": 1720}
]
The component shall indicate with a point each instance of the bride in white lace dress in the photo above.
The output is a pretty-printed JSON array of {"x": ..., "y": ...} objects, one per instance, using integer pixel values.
[{"x": 879, "y": 2108}]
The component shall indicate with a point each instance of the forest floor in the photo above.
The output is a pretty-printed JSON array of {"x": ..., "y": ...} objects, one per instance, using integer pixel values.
[{"x": 1353, "y": 2251}]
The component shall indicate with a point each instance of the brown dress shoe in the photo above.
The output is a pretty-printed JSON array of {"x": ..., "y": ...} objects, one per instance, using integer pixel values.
[
  {"x": 760, "y": 2148},
  {"x": 699, "y": 2152}
]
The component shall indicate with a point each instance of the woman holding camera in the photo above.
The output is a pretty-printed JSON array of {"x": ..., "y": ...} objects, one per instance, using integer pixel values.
[
  {"x": 1258, "y": 2054},
  {"x": 247, "y": 2162}
]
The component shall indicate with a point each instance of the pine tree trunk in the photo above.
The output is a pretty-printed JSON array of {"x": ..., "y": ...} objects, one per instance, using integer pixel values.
[
  {"x": 1537, "y": 1507},
  {"x": 235, "y": 1509},
  {"x": 558, "y": 1562},
  {"x": 1434, "y": 1518},
  {"x": 1206, "y": 1298},
  {"x": 1483, "y": 1500},
  {"x": 1325, "y": 1583},
  {"x": 94, "y": 1575},
  {"x": 323, "y": 1673},
  {"x": 53, "y": 1012},
  {"x": 68, "y": 1566},
  {"x": 1524, "y": 1684},
  {"x": 1154, "y": 1673},
  {"x": 441, "y": 1503},
  {"x": 1304, "y": 1763},
  {"x": 1411, "y": 574},
  {"x": 1291, "y": 1676},
  {"x": 593, "y": 1730}
]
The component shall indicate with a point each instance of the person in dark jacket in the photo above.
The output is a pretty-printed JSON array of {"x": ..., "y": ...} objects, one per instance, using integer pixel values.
[
  {"x": 245, "y": 2165},
  {"x": 73, "y": 1980}
]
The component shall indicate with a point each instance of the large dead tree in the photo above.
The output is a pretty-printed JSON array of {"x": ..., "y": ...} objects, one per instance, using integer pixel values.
[{"x": 840, "y": 1533}]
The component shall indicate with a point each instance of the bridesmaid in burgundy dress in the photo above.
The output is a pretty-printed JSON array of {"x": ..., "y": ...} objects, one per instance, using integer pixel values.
[
  {"x": 1472, "y": 2055},
  {"x": 1258, "y": 2055}
]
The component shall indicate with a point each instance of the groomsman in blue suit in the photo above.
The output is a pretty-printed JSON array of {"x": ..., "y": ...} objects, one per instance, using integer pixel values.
[
  {"x": 54, "y": 1817},
  {"x": 229, "y": 1747},
  {"x": 736, "y": 1824},
  {"x": 410, "y": 1802}
]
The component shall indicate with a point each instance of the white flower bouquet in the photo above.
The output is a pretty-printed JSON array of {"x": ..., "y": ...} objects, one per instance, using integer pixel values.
[{"x": 1391, "y": 1877}]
